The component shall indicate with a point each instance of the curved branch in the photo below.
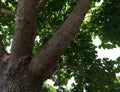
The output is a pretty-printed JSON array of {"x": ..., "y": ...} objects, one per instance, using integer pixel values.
[
  {"x": 41, "y": 4},
  {"x": 46, "y": 59}
]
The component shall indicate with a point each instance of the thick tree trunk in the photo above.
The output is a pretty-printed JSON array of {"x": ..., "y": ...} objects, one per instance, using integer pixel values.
[
  {"x": 20, "y": 72},
  {"x": 18, "y": 78}
]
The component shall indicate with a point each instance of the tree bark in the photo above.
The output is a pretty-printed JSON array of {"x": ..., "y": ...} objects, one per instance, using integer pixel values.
[
  {"x": 41, "y": 4},
  {"x": 25, "y": 27},
  {"x": 2, "y": 49},
  {"x": 17, "y": 77},
  {"x": 45, "y": 62},
  {"x": 23, "y": 73}
]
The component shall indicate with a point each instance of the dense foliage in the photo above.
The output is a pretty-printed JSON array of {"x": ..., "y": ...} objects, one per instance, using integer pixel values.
[{"x": 80, "y": 60}]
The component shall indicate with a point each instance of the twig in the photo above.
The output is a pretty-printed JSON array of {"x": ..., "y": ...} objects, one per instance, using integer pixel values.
[{"x": 40, "y": 5}]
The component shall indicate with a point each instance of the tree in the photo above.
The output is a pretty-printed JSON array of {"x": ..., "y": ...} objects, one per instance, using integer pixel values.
[
  {"x": 51, "y": 39},
  {"x": 25, "y": 72}
]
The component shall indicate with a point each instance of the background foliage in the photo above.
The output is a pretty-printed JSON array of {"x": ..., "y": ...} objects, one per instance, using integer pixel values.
[{"x": 80, "y": 60}]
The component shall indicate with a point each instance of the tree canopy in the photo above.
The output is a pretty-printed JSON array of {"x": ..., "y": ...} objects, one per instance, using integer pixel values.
[{"x": 80, "y": 61}]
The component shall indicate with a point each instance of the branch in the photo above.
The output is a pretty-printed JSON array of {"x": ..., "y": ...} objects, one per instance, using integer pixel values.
[
  {"x": 4, "y": 56},
  {"x": 46, "y": 59},
  {"x": 25, "y": 27},
  {"x": 2, "y": 49},
  {"x": 41, "y": 4},
  {"x": 7, "y": 11}
]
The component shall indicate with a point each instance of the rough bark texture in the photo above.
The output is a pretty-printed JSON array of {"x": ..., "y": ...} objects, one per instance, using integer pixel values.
[
  {"x": 19, "y": 72},
  {"x": 25, "y": 29},
  {"x": 17, "y": 77}
]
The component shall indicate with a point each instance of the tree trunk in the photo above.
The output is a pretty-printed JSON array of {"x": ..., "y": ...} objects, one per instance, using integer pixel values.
[
  {"x": 20, "y": 71},
  {"x": 18, "y": 78}
]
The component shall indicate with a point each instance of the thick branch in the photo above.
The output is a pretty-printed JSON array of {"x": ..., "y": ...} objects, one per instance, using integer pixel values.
[
  {"x": 25, "y": 29},
  {"x": 7, "y": 11},
  {"x": 46, "y": 59},
  {"x": 41, "y": 4}
]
